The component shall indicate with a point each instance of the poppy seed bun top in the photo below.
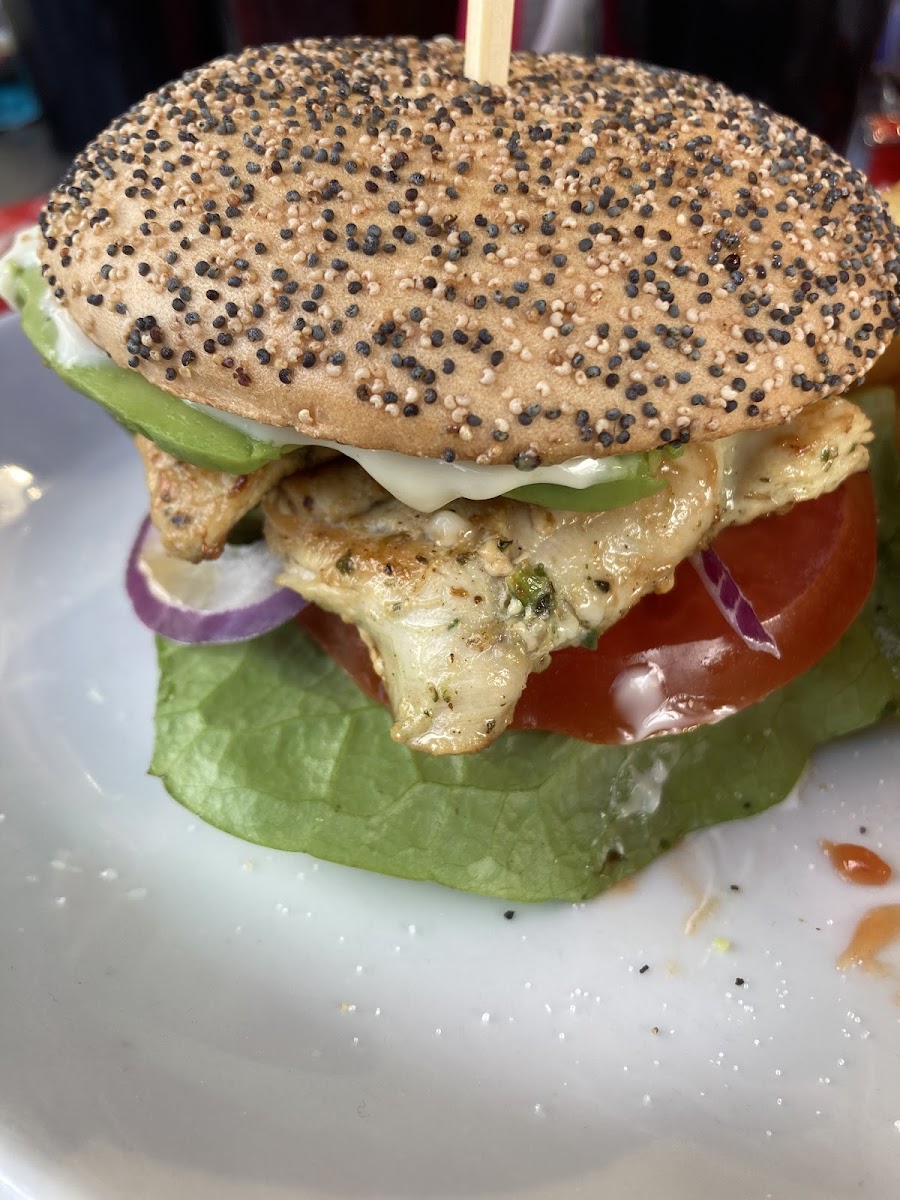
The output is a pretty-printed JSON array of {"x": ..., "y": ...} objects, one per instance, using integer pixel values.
[{"x": 351, "y": 238}]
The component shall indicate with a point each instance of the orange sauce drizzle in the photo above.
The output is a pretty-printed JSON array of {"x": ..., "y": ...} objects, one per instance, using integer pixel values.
[
  {"x": 876, "y": 930},
  {"x": 857, "y": 864}
]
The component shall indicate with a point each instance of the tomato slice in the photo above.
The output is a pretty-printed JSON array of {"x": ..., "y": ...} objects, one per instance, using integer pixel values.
[{"x": 673, "y": 662}]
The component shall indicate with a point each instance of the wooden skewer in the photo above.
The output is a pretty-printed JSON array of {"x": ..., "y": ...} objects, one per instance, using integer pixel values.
[{"x": 488, "y": 40}]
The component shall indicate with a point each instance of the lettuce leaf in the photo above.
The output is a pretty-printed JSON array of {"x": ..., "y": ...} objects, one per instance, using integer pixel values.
[{"x": 271, "y": 742}]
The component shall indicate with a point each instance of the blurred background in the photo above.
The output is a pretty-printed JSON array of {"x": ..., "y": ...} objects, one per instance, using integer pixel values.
[{"x": 68, "y": 66}]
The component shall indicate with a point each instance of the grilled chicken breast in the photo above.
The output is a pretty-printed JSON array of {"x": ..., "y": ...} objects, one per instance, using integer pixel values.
[
  {"x": 458, "y": 607},
  {"x": 194, "y": 509}
]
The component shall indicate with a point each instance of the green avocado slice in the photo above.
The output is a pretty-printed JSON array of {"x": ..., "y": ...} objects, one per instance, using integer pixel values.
[
  {"x": 637, "y": 476},
  {"x": 599, "y": 497},
  {"x": 185, "y": 432}
]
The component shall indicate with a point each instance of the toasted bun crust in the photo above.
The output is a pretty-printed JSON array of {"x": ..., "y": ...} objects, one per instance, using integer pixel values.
[{"x": 351, "y": 238}]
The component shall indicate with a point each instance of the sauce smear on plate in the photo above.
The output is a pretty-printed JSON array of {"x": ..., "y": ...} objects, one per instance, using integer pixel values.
[
  {"x": 876, "y": 930},
  {"x": 857, "y": 864}
]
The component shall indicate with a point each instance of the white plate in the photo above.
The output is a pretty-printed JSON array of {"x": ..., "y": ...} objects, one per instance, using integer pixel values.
[{"x": 184, "y": 1015}]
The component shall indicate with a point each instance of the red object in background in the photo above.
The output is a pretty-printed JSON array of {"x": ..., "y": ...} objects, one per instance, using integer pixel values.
[
  {"x": 14, "y": 218},
  {"x": 883, "y": 168}
]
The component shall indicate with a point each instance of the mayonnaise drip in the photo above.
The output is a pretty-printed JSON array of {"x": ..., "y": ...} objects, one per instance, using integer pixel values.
[
  {"x": 646, "y": 791},
  {"x": 645, "y": 709},
  {"x": 427, "y": 484},
  {"x": 73, "y": 347}
]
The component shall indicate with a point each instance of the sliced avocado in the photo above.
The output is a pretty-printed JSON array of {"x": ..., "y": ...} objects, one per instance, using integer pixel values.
[
  {"x": 638, "y": 477},
  {"x": 139, "y": 405},
  {"x": 599, "y": 497}
]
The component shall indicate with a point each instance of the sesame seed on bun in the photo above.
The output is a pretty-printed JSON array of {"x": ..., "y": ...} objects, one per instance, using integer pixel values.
[{"x": 351, "y": 238}]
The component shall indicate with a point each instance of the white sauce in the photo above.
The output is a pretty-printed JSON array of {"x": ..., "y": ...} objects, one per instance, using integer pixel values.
[
  {"x": 23, "y": 254},
  {"x": 427, "y": 484},
  {"x": 640, "y": 701},
  {"x": 446, "y": 528},
  {"x": 73, "y": 347},
  {"x": 646, "y": 791}
]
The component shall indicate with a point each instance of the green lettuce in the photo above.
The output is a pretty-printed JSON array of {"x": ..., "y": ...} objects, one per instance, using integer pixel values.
[{"x": 270, "y": 741}]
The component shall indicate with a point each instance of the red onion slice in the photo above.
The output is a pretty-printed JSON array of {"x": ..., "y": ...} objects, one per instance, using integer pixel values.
[
  {"x": 732, "y": 603},
  {"x": 230, "y": 599}
]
